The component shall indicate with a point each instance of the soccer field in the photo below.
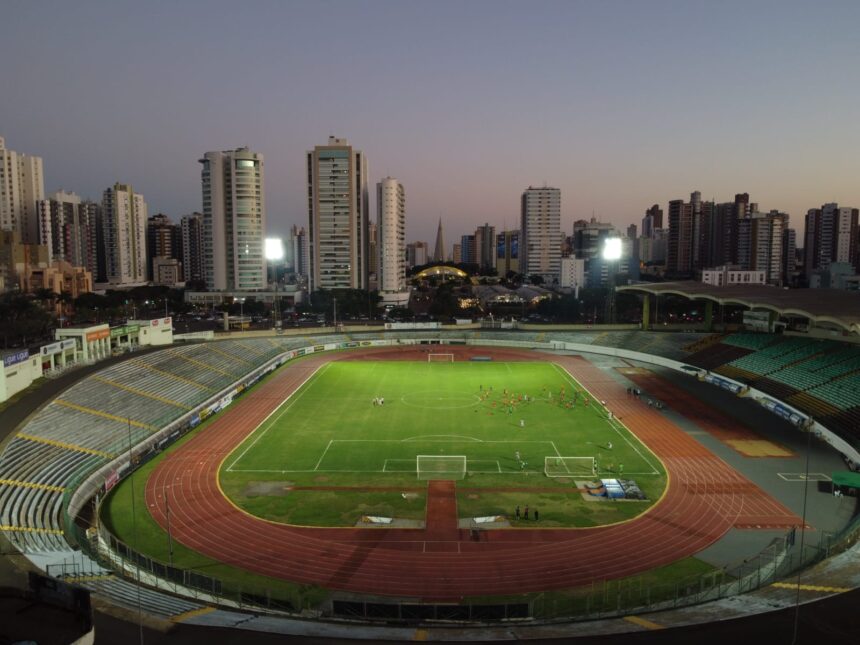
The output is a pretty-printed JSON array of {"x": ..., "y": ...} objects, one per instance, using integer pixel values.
[{"x": 491, "y": 426}]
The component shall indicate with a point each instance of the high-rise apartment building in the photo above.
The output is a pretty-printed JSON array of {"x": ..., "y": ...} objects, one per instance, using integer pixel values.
[
  {"x": 678, "y": 259},
  {"x": 22, "y": 186},
  {"x": 485, "y": 247},
  {"x": 653, "y": 219},
  {"x": 456, "y": 253},
  {"x": 300, "y": 251},
  {"x": 68, "y": 226},
  {"x": 192, "y": 248},
  {"x": 373, "y": 253},
  {"x": 234, "y": 220},
  {"x": 163, "y": 240},
  {"x": 338, "y": 206},
  {"x": 391, "y": 223},
  {"x": 417, "y": 254},
  {"x": 831, "y": 236},
  {"x": 124, "y": 226},
  {"x": 508, "y": 252},
  {"x": 789, "y": 257},
  {"x": 540, "y": 228},
  {"x": 468, "y": 249},
  {"x": 759, "y": 244}
]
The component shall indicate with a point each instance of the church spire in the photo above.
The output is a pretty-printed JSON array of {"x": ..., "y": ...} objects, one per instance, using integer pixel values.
[{"x": 439, "y": 251}]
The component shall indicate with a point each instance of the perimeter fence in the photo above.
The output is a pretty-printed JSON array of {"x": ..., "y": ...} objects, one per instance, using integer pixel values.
[{"x": 780, "y": 560}]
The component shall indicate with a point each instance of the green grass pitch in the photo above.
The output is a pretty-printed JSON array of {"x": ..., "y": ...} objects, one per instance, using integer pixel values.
[{"x": 328, "y": 455}]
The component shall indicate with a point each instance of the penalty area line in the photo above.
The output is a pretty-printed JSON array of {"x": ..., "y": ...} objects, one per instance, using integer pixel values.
[{"x": 322, "y": 456}]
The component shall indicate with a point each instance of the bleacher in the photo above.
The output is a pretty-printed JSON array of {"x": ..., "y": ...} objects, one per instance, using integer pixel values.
[
  {"x": 819, "y": 377},
  {"x": 98, "y": 417}
]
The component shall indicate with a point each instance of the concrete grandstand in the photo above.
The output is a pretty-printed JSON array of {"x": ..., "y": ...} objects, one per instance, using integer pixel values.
[{"x": 97, "y": 430}]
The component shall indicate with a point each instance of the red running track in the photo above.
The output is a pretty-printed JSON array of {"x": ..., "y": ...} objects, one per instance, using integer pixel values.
[{"x": 704, "y": 498}]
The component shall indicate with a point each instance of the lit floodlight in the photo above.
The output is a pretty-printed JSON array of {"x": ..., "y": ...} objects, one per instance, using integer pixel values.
[
  {"x": 274, "y": 248},
  {"x": 612, "y": 248}
]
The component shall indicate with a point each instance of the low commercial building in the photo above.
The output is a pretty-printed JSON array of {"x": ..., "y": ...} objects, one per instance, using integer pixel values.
[
  {"x": 728, "y": 275},
  {"x": 20, "y": 369}
]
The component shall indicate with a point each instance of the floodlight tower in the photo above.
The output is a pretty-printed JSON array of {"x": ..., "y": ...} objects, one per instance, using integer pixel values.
[
  {"x": 611, "y": 255},
  {"x": 274, "y": 255}
]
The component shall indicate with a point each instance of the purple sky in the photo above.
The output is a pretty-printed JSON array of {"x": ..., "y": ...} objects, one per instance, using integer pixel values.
[{"x": 619, "y": 104}]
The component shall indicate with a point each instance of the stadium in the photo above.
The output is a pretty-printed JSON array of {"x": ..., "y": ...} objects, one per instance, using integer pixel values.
[{"x": 386, "y": 484}]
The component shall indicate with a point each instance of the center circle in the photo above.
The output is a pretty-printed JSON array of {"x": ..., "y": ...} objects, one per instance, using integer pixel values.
[{"x": 440, "y": 400}]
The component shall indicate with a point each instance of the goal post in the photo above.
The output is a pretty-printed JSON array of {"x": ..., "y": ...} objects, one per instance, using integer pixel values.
[
  {"x": 556, "y": 466},
  {"x": 440, "y": 358},
  {"x": 440, "y": 466}
]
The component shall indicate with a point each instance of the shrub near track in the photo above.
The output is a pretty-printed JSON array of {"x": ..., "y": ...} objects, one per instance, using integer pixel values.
[{"x": 329, "y": 455}]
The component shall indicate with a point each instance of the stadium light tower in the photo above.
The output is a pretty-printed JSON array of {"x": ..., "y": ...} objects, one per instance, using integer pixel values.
[
  {"x": 274, "y": 255},
  {"x": 611, "y": 252}
]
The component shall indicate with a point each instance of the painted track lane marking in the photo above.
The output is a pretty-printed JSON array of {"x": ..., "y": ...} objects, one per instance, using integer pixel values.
[{"x": 289, "y": 403}]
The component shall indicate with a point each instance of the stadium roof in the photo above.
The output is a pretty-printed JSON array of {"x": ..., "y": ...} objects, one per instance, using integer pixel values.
[{"x": 835, "y": 306}]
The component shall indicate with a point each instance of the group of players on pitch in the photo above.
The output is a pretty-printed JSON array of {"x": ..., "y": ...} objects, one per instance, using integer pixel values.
[{"x": 511, "y": 400}]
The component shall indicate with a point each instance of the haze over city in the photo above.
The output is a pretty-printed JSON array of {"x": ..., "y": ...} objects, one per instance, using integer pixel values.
[{"x": 619, "y": 104}]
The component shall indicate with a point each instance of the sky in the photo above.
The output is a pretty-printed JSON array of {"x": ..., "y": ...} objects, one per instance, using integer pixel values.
[{"x": 620, "y": 104}]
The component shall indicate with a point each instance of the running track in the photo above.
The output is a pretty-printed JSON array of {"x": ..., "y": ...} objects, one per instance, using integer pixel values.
[{"x": 704, "y": 499}]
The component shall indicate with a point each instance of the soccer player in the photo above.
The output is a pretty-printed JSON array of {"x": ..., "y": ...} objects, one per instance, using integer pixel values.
[{"x": 522, "y": 423}]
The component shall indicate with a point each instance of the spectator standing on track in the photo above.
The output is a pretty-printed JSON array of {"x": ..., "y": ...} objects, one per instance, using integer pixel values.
[
  {"x": 517, "y": 512},
  {"x": 536, "y": 515},
  {"x": 526, "y": 513}
]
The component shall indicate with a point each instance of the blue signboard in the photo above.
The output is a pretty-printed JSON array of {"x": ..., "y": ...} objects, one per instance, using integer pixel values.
[{"x": 17, "y": 357}]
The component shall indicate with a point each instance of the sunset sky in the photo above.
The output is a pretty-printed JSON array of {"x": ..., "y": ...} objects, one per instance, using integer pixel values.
[{"x": 619, "y": 104}]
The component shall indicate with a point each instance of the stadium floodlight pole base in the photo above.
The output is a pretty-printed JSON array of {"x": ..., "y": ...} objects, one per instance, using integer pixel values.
[
  {"x": 556, "y": 466},
  {"x": 440, "y": 358},
  {"x": 440, "y": 466}
]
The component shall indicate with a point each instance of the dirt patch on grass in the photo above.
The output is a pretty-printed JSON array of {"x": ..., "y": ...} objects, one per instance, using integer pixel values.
[
  {"x": 473, "y": 496},
  {"x": 321, "y": 478},
  {"x": 267, "y": 489}
]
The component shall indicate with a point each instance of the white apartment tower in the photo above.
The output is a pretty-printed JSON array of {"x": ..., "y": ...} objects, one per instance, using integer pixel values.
[
  {"x": 22, "y": 186},
  {"x": 391, "y": 220},
  {"x": 540, "y": 228},
  {"x": 234, "y": 220},
  {"x": 124, "y": 225},
  {"x": 338, "y": 207}
]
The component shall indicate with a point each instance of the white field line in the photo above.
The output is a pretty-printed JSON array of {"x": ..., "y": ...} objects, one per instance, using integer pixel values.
[
  {"x": 322, "y": 456},
  {"x": 623, "y": 437},
  {"x": 280, "y": 412},
  {"x": 357, "y": 472}
]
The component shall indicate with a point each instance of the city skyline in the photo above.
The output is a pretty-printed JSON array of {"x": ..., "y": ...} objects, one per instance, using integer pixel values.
[{"x": 618, "y": 105}]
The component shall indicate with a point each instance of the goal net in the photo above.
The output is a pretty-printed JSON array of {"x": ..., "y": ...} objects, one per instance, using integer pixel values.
[
  {"x": 440, "y": 358},
  {"x": 569, "y": 466},
  {"x": 440, "y": 466}
]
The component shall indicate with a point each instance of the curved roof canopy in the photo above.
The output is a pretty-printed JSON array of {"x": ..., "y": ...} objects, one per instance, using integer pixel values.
[
  {"x": 834, "y": 306},
  {"x": 442, "y": 270}
]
